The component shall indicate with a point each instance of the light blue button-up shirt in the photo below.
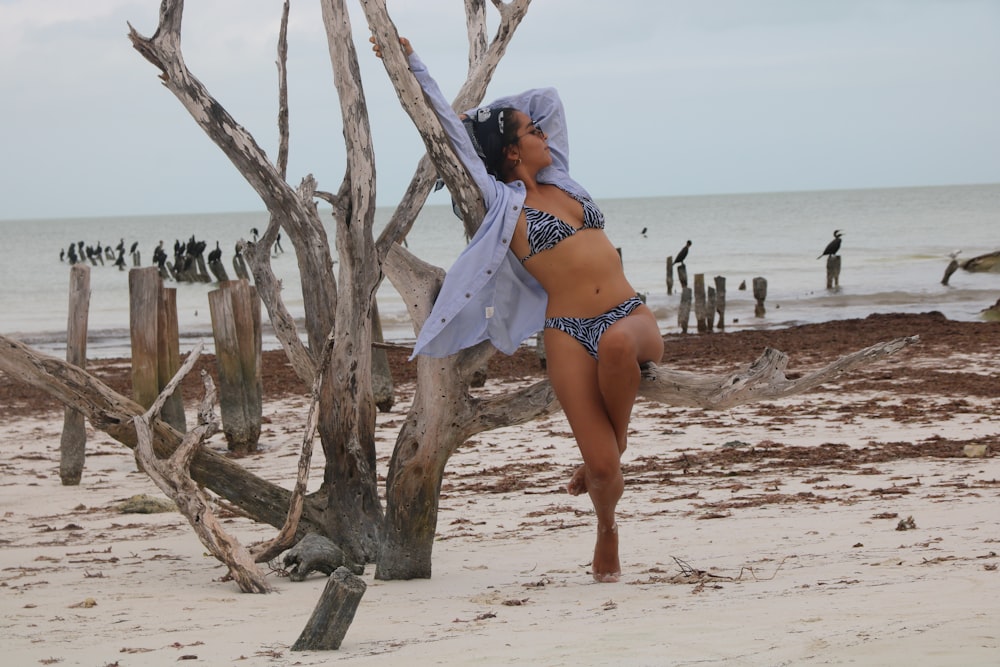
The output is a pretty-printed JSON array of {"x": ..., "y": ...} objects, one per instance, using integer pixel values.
[{"x": 487, "y": 293}]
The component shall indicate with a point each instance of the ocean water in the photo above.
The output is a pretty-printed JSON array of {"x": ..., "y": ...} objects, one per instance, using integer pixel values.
[{"x": 896, "y": 245}]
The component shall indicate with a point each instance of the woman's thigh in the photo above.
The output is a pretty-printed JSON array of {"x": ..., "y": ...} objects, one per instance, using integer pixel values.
[
  {"x": 573, "y": 374},
  {"x": 637, "y": 335}
]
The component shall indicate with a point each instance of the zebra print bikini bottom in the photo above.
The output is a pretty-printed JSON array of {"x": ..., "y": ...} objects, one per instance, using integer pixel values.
[{"x": 588, "y": 330}]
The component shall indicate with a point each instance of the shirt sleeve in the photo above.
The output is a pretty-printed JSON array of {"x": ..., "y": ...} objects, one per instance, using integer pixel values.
[
  {"x": 545, "y": 108},
  {"x": 455, "y": 130}
]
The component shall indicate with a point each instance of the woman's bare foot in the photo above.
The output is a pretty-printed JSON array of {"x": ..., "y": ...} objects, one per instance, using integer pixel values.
[
  {"x": 577, "y": 485},
  {"x": 606, "y": 568}
]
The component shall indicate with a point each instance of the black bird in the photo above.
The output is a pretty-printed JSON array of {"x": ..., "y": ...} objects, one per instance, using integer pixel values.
[
  {"x": 682, "y": 255},
  {"x": 643, "y": 232},
  {"x": 216, "y": 254},
  {"x": 833, "y": 247}
]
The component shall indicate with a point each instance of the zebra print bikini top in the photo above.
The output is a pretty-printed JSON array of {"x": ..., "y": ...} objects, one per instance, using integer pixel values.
[{"x": 545, "y": 230}]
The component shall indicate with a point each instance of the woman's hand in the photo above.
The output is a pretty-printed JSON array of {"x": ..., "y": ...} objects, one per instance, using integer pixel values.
[{"x": 405, "y": 43}]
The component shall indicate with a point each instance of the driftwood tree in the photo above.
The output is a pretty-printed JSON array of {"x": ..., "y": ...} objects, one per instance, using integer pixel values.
[
  {"x": 339, "y": 307},
  {"x": 337, "y": 358}
]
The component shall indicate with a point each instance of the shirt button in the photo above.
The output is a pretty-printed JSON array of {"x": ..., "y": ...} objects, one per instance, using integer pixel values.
[
  {"x": 467, "y": 295},
  {"x": 504, "y": 241},
  {"x": 489, "y": 272},
  {"x": 443, "y": 320}
]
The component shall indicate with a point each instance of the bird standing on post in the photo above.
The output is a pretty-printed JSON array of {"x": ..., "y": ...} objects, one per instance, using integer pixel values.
[
  {"x": 682, "y": 255},
  {"x": 833, "y": 247}
]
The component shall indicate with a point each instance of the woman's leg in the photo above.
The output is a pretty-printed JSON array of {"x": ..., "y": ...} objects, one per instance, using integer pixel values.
[
  {"x": 574, "y": 376},
  {"x": 626, "y": 344}
]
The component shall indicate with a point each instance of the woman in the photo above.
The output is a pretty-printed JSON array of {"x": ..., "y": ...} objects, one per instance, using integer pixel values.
[{"x": 541, "y": 260}]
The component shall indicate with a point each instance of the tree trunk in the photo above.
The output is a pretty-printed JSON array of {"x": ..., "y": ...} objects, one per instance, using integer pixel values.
[{"x": 425, "y": 442}]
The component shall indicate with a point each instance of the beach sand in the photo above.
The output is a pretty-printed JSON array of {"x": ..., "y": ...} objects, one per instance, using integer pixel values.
[{"x": 846, "y": 525}]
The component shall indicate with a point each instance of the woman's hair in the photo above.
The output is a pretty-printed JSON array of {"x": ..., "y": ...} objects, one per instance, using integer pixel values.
[{"x": 492, "y": 130}]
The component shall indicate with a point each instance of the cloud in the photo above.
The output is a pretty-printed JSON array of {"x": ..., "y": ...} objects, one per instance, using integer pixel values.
[{"x": 671, "y": 97}]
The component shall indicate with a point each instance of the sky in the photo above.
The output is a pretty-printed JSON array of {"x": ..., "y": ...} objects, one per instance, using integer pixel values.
[{"x": 665, "y": 98}]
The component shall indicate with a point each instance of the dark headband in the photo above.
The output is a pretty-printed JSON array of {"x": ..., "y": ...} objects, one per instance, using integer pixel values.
[{"x": 486, "y": 129}]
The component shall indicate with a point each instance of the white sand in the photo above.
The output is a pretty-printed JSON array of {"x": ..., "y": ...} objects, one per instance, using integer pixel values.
[{"x": 797, "y": 578}]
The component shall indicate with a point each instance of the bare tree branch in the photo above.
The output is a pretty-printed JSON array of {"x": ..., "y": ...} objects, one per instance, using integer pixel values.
[
  {"x": 172, "y": 475},
  {"x": 282, "y": 64},
  {"x": 287, "y": 535}
]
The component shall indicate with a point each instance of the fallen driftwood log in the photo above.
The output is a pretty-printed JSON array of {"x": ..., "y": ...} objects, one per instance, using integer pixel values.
[
  {"x": 764, "y": 379},
  {"x": 990, "y": 262}
]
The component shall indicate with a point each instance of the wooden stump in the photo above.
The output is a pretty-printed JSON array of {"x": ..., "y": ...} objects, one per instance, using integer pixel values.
[
  {"x": 382, "y": 386},
  {"x": 168, "y": 346},
  {"x": 682, "y": 275},
  {"x": 684, "y": 310},
  {"x": 333, "y": 614},
  {"x": 710, "y": 308},
  {"x": 201, "y": 270},
  {"x": 540, "y": 349},
  {"x": 155, "y": 342},
  {"x": 144, "y": 287},
  {"x": 720, "y": 300},
  {"x": 240, "y": 266},
  {"x": 832, "y": 271},
  {"x": 700, "y": 306},
  {"x": 235, "y": 311},
  {"x": 73, "y": 442},
  {"x": 951, "y": 268},
  {"x": 219, "y": 271},
  {"x": 759, "y": 293},
  {"x": 670, "y": 275}
]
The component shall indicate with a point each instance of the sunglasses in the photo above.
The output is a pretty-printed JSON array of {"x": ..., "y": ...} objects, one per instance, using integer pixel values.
[{"x": 536, "y": 130}]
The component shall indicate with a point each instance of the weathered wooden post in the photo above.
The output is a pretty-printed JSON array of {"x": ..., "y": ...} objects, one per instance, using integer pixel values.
[
  {"x": 382, "y": 387},
  {"x": 670, "y": 275},
  {"x": 155, "y": 342},
  {"x": 710, "y": 308},
  {"x": 759, "y": 293},
  {"x": 218, "y": 270},
  {"x": 720, "y": 300},
  {"x": 540, "y": 349},
  {"x": 240, "y": 265},
  {"x": 684, "y": 310},
  {"x": 333, "y": 614},
  {"x": 168, "y": 346},
  {"x": 682, "y": 275},
  {"x": 950, "y": 269},
  {"x": 700, "y": 313},
  {"x": 73, "y": 442},
  {"x": 235, "y": 310},
  {"x": 144, "y": 287},
  {"x": 201, "y": 270},
  {"x": 832, "y": 271}
]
